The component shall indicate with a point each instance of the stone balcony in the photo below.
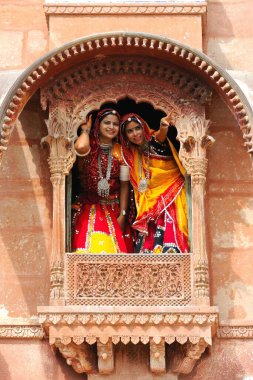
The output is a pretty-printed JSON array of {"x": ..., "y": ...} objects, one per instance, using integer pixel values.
[{"x": 144, "y": 299}]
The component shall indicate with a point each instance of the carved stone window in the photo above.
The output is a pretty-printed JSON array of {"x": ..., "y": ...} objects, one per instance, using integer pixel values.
[{"x": 157, "y": 313}]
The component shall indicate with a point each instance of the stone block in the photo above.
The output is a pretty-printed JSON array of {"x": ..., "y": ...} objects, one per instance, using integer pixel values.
[
  {"x": 22, "y": 18},
  {"x": 36, "y": 43},
  {"x": 224, "y": 19},
  {"x": 186, "y": 29},
  {"x": 232, "y": 285},
  {"x": 228, "y": 158},
  {"x": 230, "y": 222},
  {"x": 11, "y": 43},
  {"x": 231, "y": 53},
  {"x": 25, "y": 162}
]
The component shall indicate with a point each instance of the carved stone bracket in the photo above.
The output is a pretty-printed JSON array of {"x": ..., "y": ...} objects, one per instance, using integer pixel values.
[
  {"x": 157, "y": 355},
  {"x": 81, "y": 357},
  {"x": 185, "y": 361},
  {"x": 105, "y": 356}
]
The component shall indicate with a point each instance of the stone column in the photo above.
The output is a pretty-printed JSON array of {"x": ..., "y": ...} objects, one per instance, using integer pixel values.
[
  {"x": 192, "y": 134},
  {"x": 61, "y": 158}
]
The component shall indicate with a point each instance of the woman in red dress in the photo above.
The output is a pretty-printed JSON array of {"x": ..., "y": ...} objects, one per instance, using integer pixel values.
[{"x": 99, "y": 221}]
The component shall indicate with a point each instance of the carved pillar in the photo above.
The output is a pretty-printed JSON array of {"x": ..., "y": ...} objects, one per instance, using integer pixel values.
[
  {"x": 192, "y": 134},
  {"x": 61, "y": 158}
]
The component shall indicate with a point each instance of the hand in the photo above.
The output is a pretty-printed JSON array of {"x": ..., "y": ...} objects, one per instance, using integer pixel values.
[
  {"x": 86, "y": 127},
  {"x": 121, "y": 221},
  {"x": 164, "y": 123}
]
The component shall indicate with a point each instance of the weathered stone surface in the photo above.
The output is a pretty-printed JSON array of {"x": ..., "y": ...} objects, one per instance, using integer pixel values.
[
  {"x": 185, "y": 28},
  {"x": 11, "y": 43}
]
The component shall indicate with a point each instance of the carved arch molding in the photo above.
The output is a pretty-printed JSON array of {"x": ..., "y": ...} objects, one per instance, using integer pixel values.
[{"x": 109, "y": 44}]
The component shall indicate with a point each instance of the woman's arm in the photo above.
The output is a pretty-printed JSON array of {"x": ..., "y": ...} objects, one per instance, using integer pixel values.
[
  {"x": 123, "y": 202},
  {"x": 82, "y": 144},
  {"x": 161, "y": 134}
]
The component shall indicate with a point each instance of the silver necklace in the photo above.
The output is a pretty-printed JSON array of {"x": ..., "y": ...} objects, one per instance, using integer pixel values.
[
  {"x": 103, "y": 183},
  {"x": 143, "y": 184}
]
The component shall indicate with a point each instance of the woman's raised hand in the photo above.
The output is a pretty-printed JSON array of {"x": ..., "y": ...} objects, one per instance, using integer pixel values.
[
  {"x": 86, "y": 127},
  {"x": 164, "y": 123}
]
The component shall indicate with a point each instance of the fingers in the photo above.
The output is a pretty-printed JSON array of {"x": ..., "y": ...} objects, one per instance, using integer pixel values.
[{"x": 164, "y": 122}]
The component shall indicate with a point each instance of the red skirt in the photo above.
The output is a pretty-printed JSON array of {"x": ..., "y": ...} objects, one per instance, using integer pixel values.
[{"x": 96, "y": 230}]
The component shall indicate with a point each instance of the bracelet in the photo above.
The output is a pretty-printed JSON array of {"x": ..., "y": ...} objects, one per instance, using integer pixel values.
[
  {"x": 82, "y": 155},
  {"x": 86, "y": 131},
  {"x": 123, "y": 212},
  {"x": 163, "y": 125}
]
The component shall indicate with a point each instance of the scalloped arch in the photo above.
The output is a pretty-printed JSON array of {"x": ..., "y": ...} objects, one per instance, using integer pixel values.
[{"x": 109, "y": 44}]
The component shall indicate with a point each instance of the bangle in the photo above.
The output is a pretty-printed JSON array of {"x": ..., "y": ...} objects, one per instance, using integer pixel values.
[
  {"x": 123, "y": 212},
  {"x": 82, "y": 155},
  {"x": 163, "y": 125},
  {"x": 86, "y": 131}
]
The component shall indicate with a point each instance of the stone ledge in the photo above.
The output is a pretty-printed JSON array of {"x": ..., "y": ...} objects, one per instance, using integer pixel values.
[
  {"x": 75, "y": 324},
  {"x": 137, "y": 7},
  {"x": 21, "y": 328}
]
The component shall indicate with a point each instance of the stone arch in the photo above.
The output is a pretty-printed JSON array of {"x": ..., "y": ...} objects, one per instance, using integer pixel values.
[{"x": 111, "y": 44}]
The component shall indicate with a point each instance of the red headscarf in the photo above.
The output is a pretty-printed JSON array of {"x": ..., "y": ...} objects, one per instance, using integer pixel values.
[{"x": 126, "y": 147}]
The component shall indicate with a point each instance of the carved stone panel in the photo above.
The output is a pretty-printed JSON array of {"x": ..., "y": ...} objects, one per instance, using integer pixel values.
[{"x": 128, "y": 279}]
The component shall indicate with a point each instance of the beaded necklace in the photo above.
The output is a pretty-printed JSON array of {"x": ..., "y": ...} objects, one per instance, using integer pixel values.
[
  {"x": 103, "y": 183},
  {"x": 143, "y": 184}
]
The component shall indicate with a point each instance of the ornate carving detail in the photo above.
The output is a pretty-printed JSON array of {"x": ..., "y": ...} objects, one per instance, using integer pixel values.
[
  {"x": 131, "y": 42},
  {"x": 192, "y": 134},
  {"x": 157, "y": 355},
  {"x": 128, "y": 280},
  {"x": 21, "y": 331},
  {"x": 125, "y": 9},
  {"x": 57, "y": 280},
  {"x": 79, "y": 83},
  {"x": 61, "y": 125},
  {"x": 106, "y": 318},
  {"x": 201, "y": 283},
  {"x": 239, "y": 332},
  {"x": 186, "y": 358},
  {"x": 105, "y": 356},
  {"x": 81, "y": 357}
]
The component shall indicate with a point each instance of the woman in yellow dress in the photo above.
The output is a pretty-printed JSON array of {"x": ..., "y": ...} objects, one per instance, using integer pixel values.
[{"x": 157, "y": 177}]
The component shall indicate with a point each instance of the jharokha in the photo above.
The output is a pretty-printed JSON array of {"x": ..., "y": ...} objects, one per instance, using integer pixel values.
[{"x": 126, "y": 190}]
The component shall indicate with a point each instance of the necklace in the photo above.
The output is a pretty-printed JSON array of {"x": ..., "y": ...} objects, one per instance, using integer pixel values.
[
  {"x": 103, "y": 183},
  {"x": 143, "y": 184}
]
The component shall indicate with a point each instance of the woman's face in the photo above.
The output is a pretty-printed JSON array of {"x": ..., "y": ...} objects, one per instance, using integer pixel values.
[
  {"x": 108, "y": 128},
  {"x": 134, "y": 133}
]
